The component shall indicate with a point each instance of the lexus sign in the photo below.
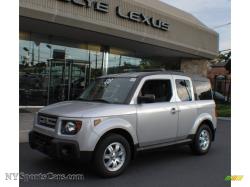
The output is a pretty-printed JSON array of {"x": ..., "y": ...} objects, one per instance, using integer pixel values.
[{"x": 138, "y": 17}]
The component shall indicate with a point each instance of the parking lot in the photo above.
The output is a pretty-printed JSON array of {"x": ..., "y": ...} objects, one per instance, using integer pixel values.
[{"x": 175, "y": 166}]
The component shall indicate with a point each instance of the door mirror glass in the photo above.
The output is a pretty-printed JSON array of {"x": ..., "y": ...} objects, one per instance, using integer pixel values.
[{"x": 148, "y": 98}]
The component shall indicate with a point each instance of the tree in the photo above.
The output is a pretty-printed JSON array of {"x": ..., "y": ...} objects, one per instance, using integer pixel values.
[
  {"x": 225, "y": 57},
  {"x": 228, "y": 65}
]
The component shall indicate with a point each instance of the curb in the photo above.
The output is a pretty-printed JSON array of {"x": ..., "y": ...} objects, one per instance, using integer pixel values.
[{"x": 224, "y": 118}]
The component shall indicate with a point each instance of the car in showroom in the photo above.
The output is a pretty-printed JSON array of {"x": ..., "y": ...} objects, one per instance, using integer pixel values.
[{"x": 121, "y": 114}]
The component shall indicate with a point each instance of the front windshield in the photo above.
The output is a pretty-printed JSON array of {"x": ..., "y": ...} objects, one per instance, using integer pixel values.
[{"x": 109, "y": 90}]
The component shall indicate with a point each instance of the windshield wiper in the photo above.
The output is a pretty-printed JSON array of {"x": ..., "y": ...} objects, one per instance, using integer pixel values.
[
  {"x": 93, "y": 100},
  {"x": 80, "y": 99},
  {"x": 100, "y": 100}
]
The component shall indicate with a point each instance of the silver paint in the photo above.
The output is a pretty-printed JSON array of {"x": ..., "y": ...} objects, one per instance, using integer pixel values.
[{"x": 147, "y": 124}]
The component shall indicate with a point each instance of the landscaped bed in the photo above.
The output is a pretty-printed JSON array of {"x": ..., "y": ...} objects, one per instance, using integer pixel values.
[{"x": 223, "y": 110}]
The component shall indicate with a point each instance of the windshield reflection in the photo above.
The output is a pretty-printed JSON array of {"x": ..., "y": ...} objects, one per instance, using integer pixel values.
[{"x": 108, "y": 90}]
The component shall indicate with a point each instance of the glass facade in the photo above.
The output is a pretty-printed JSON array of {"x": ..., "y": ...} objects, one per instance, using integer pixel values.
[{"x": 53, "y": 69}]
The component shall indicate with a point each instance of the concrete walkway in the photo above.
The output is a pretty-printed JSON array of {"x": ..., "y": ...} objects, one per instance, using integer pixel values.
[
  {"x": 225, "y": 118},
  {"x": 26, "y": 117}
]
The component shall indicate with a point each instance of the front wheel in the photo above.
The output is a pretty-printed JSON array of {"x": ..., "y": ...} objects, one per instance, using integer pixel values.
[
  {"x": 202, "y": 140},
  {"x": 112, "y": 156}
]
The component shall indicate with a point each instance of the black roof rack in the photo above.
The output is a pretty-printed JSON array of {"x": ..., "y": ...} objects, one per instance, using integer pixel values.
[{"x": 156, "y": 72}]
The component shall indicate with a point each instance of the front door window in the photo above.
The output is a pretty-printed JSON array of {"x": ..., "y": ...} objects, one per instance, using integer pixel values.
[{"x": 161, "y": 89}]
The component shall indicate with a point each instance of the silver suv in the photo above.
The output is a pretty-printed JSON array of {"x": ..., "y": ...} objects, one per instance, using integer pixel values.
[{"x": 119, "y": 115}]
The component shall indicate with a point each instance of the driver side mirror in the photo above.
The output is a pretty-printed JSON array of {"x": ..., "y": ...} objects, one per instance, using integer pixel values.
[{"x": 148, "y": 98}]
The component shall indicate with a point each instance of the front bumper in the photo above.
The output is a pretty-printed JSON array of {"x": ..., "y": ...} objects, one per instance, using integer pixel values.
[{"x": 57, "y": 148}]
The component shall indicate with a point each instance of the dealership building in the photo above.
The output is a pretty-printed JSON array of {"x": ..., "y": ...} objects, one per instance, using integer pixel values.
[{"x": 66, "y": 44}]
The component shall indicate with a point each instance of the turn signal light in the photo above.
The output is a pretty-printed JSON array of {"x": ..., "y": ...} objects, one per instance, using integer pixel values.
[{"x": 97, "y": 122}]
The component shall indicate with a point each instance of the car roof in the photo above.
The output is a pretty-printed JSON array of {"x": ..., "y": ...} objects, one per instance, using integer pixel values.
[{"x": 145, "y": 74}]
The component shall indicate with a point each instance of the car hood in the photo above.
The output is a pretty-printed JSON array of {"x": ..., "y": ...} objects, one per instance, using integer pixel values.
[{"x": 77, "y": 109}]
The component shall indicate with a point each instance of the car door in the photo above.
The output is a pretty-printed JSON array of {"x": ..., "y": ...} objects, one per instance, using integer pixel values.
[
  {"x": 187, "y": 106},
  {"x": 157, "y": 122}
]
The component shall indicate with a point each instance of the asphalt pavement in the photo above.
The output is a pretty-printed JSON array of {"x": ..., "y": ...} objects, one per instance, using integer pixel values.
[{"x": 171, "y": 167}]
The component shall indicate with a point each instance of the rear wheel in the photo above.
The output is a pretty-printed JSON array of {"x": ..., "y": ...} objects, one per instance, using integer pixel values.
[
  {"x": 202, "y": 140},
  {"x": 112, "y": 156}
]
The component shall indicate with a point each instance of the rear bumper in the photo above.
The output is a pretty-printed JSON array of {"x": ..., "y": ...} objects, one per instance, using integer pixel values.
[{"x": 57, "y": 148}]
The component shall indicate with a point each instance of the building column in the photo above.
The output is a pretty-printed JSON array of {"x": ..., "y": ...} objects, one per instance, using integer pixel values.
[
  {"x": 105, "y": 59},
  {"x": 194, "y": 66}
]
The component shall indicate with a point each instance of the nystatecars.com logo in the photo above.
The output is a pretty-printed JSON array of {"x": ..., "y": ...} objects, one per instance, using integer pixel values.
[
  {"x": 234, "y": 178},
  {"x": 26, "y": 177}
]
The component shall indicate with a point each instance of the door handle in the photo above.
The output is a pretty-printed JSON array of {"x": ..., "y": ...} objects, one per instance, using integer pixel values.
[{"x": 173, "y": 110}]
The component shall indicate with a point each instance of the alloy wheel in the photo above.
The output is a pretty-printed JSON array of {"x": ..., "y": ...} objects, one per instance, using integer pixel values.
[
  {"x": 114, "y": 156},
  {"x": 204, "y": 139}
]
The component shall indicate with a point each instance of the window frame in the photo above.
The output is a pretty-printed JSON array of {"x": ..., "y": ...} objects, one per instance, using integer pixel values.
[
  {"x": 149, "y": 78},
  {"x": 191, "y": 87}
]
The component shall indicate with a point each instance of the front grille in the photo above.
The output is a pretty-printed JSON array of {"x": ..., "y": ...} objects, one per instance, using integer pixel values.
[{"x": 47, "y": 120}]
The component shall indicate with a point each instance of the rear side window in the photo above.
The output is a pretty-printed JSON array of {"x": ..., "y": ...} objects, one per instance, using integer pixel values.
[
  {"x": 161, "y": 89},
  {"x": 203, "y": 90},
  {"x": 183, "y": 89}
]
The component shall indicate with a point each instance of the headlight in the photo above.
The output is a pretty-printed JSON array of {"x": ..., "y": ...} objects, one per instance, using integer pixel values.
[{"x": 71, "y": 127}]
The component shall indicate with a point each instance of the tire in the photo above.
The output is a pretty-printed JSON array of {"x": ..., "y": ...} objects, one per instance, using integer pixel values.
[
  {"x": 202, "y": 140},
  {"x": 106, "y": 167}
]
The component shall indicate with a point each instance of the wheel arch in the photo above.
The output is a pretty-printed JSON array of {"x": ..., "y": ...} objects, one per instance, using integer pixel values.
[
  {"x": 204, "y": 119},
  {"x": 209, "y": 123},
  {"x": 124, "y": 133}
]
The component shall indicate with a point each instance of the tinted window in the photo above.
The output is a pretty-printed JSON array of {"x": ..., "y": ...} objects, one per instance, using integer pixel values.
[
  {"x": 161, "y": 89},
  {"x": 184, "y": 90},
  {"x": 203, "y": 90}
]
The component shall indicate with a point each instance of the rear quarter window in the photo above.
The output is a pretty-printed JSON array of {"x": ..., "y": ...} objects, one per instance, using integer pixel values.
[
  {"x": 184, "y": 89},
  {"x": 203, "y": 90}
]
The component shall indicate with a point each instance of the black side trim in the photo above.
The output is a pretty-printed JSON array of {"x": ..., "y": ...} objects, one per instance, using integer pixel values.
[
  {"x": 191, "y": 136},
  {"x": 135, "y": 151},
  {"x": 179, "y": 142},
  {"x": 213, "y": 138}
]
